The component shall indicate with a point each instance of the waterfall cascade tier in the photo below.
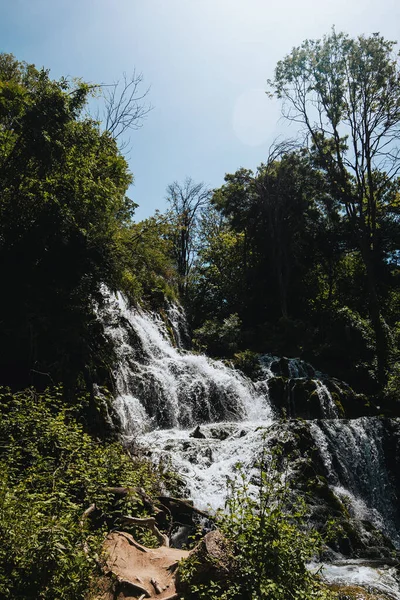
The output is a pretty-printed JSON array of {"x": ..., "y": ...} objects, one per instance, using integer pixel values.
[
  {"x": 165, "y": 391},
  {"x": 162, "y": 386}
]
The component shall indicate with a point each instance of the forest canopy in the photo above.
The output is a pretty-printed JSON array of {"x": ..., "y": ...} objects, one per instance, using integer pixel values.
[{"x": 298, "y": 258}]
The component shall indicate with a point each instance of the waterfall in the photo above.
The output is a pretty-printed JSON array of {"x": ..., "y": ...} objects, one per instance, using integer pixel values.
[
  {"x": 160, "y": 385},
  {"x": 329, "y": 409},
  {"x": 355, "y": 465},
  {"x": 165, "y": 391}
]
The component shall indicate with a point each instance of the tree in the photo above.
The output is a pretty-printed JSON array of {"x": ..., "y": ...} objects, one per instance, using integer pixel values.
[
  {"x": 124, "y": 105},
  {"x": 145, "y": 249},
  {"x": 346, "y": 93},
  {"x": 63, "y": 186},
  {"x": 187, "y": 201},
  {"x": 274, "y": 210},
  {"x": 217, "y": 287}
]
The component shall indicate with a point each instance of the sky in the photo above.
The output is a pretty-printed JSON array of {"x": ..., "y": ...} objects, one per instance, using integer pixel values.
[{"x": 206, "y": 62}]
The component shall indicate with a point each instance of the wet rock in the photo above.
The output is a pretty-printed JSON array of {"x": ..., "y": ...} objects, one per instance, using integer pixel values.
[
  {"x": 197, "y": 433},
  {"x": 291, "y": 367},
  {"x": 220, "y": 434},
  {"x": 295, "y": 398},
  {"x": 315, "y": 479},
  {"x": 317, "y": 397},
  {"x": 349, "y": 404}
]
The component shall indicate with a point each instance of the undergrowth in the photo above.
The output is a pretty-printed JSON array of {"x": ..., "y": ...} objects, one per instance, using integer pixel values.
[
  {"x": 51, "y": 472},
  {"x": 271, "y": 543}
]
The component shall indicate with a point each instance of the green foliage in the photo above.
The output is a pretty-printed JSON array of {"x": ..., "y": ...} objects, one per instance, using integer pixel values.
[
  {"x": 271, "y": 542},
  {"x": 248, "y": 362},
  {"x": 346, "y": 92},
  {"x": 62, "y": 203},
  {"x": 144, "y": 249},
  {"x": 216, "y": 285},
  {"x": 278, "y": 251},
  {"x": 219, "y": 339},
  {"x": 316, "y": 230},
  {"x": 275, "y": 211},
  {"x": 347, "y": 329},
  {"x": 51, "y": 473},
  {"x": 392, "y": 390}
]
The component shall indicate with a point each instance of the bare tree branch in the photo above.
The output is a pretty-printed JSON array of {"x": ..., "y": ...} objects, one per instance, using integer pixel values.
[
  {"x": 187, "y": 202},
  {"x": 125, "y": 105}
]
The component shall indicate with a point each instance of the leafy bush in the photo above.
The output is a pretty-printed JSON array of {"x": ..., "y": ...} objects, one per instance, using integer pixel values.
[
  {"x": 219, "y": 339},
  {"x": 249, "y": 363},
  {"x": 51, "y": 473},
  {"x": 272, "y": 544}
]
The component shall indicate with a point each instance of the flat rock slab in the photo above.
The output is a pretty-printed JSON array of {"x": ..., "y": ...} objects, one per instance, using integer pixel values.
[{"x": 139, "y": 569}]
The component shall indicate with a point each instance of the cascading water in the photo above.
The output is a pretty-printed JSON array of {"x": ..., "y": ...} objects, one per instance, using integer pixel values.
[
  {"x": 354, "y": 460},
  {"x": 164, "y": 392},
  {"x": 161, "y": 386},
  {"x": 329, "y": 409}
]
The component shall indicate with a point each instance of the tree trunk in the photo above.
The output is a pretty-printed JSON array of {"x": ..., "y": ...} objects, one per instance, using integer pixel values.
[{"x": 378, "y": 324}]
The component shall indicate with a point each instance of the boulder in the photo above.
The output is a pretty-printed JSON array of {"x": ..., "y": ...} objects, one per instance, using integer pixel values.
[
  {"x": 211, "y": 560},
  {"x": 197, "y": 433}
]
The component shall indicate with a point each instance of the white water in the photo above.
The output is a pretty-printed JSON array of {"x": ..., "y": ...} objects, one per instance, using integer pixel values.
[
  {"x": 206, "y": 465},
  {"x": 380, "y": 579},
  {"x": 164, "y": 392},
  {"x": 329, "y": 408},
  {"x": 354, "y": 459},
  {"x": 160, "y": 385}
]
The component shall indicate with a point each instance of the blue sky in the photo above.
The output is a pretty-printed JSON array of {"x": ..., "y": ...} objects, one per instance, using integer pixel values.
[{"x": 207, "y": 62}]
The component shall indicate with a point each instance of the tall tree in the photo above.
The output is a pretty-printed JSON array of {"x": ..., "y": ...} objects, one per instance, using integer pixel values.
[
  {"x": 187, "y": 201},
  {"x": 63, "y": 198},
  {"x": 125, "y": 106},
  {"x": 346, "y": 93},
  {"x": 273, "y": 209}
]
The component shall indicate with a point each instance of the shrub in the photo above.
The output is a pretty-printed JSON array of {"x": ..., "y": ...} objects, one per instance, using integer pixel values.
[
  {"x": 272, "y": 544},
  {"x": 219, "y": 339},
  {"x": 249, "y": 363},
  {"x": 52, "y": 471}
]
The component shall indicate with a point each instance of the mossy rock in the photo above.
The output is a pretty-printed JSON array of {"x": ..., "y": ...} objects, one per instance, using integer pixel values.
[
  {"x": 277, "y": 394},
  {"x": 212, "y": 560},
  {"x": 294, "y": 398},
  {"x": 352, "y": 592},
  {"x": 321, "y": 489},
  {"x": 350, "y": 405}
]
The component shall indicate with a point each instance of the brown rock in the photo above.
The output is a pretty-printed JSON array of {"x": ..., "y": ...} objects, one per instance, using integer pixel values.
[
  {"x": 211, "y": 560},
  {"x": 140, "y": 571}
]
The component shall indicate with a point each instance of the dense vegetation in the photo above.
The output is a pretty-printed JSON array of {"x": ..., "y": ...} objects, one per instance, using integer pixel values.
[
  {"x": 65, "y": 231},
  {"x": 51, "y": 472},
  {"x": 267, "y": 550},
  {"x": 303, "y": 254},
  {"x": 298, "y": 258}
]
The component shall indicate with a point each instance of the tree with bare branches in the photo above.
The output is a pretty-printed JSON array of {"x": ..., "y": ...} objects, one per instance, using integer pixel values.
[
  {"x": 125, "y": 105},
  {"x": 187, "y": 201},
  {"x": 346, "y": 94}
]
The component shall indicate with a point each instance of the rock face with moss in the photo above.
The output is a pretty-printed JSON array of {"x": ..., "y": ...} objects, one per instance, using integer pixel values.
[
  {"x": 357, "y": 492},
  {"x": 297, "y": 390}
]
